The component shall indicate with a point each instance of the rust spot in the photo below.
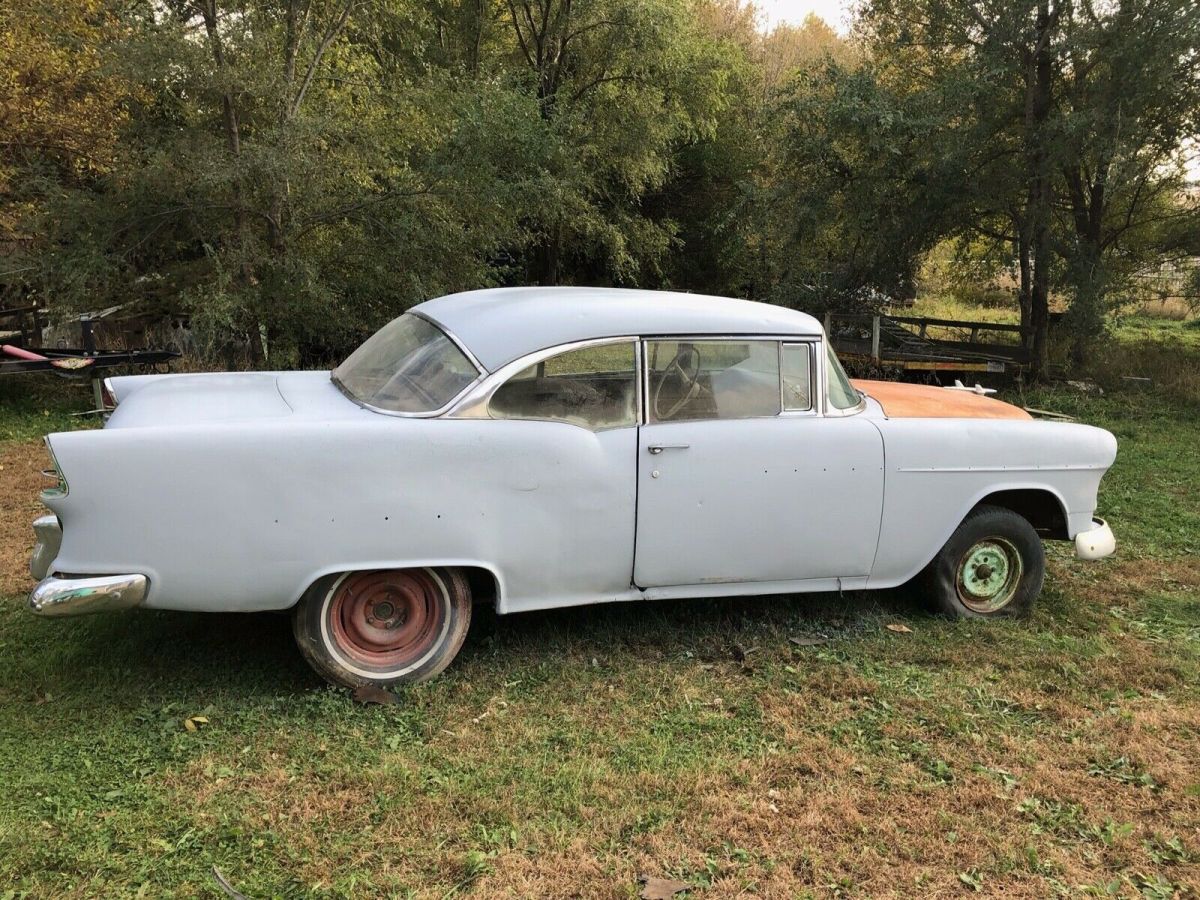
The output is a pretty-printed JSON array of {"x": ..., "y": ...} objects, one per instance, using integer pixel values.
[{"x": 923, "y": 401}]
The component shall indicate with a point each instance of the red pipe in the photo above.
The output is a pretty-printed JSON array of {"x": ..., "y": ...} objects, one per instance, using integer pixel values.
[{"x": 22, "y": 353}]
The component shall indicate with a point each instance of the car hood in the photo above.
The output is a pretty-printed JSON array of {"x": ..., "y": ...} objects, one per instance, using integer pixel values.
[
  {"x": 226, "y": 397},
  {"x": 923, "y": 401}
]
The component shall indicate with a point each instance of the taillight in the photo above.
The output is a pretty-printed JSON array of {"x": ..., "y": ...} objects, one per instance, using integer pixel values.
[
  {"x": 108, "y": 400},
  {"x": 58, "y": 485}
]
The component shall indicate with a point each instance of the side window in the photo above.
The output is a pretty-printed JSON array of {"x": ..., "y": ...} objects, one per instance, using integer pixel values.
[
  {"x": 842, "y": 394},
  {"x": 593, "y": 387},
  {"x": 797, "y": 376},
  {"x": 727, "y": 379}
]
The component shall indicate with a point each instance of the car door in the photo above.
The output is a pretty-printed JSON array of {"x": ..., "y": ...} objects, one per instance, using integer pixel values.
[
  {"x": 740, "y": 476},
  {"x": 559, "y": 443}
]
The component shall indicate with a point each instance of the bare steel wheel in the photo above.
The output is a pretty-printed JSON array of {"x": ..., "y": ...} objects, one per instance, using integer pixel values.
[
  {"x": 385, "y": 626},
  {"x": 988, "y": 575},
  {"x": 993, "y": 565}
]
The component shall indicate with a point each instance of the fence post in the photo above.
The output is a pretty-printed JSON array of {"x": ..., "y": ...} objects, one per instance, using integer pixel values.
[
  {"x": 828, "y": 321},
  {"x": 875, "y": 338}
]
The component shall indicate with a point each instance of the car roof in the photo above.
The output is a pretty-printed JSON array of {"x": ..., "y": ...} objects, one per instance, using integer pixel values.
[{"x": 503, "y": 324}]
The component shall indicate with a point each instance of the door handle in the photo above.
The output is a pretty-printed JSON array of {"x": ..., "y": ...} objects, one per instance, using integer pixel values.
[{"x": 656, "y": 449}]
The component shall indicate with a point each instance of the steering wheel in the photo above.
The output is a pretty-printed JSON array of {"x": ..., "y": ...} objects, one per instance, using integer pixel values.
[{"x": 683, "y": 368}]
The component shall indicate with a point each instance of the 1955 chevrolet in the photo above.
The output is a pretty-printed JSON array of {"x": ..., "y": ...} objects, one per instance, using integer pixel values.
[{"x": 546, "y": 447}]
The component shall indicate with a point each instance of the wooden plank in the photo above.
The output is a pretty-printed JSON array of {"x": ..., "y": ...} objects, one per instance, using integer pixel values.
[
  {"x": 957, "y": 323},
  {"x": 917, "y": 365}
]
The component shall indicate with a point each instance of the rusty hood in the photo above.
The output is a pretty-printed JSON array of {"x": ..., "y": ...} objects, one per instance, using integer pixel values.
[{"x": 923, "y": 401}]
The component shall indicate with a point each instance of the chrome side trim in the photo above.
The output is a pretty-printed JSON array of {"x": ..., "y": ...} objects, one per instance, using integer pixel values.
[
  {"x": 474, "y": 404},
  {"x": 48, "y": 532},
  {"x": 453, "y": 339},
  {"x": 1095, "y": 543},
  {"x": 76, "y": 596}
]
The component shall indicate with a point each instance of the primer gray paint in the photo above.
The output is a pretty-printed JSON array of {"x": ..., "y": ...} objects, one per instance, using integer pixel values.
[{"x": 238, "y": 491}]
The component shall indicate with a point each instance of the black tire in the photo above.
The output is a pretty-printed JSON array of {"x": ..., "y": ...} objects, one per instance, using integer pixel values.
[
  {"x": 385, "y": 627},
  {"x": 992, "y": 566}
]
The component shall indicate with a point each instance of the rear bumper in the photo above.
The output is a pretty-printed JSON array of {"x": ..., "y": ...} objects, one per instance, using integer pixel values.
[
  {"x": 49, "y": 538},
  {"x": 55, "y": 596},
  {"x": 76, "y": 596},
  {"x": 1095, "y": 543}
]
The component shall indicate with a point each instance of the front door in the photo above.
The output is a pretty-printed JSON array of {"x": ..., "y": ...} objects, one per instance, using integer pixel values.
[{"x": 740, "y": 480}]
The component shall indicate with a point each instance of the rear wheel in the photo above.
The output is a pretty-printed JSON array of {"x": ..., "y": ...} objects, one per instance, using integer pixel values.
[
  {"x": 993, "y": 565},
  {"x": 383, "y": 627}
]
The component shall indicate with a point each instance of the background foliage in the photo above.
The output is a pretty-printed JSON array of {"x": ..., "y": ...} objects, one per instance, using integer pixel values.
[{"x": 289, "y": 174}]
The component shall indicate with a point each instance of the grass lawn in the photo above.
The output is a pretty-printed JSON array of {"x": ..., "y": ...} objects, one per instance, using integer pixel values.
[{"x": 775, "y": 747}]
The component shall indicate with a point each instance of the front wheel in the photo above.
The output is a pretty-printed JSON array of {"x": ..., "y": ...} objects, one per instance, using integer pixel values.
[
  {"x": 993, "y": 565},
  {"x": 383, "y": 627}
]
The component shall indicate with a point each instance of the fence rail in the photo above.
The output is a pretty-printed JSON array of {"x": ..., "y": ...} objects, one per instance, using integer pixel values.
[{"x": 906, "y": 342}]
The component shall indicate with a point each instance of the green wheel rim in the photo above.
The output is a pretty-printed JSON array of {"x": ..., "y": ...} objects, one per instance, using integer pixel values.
[{"x": 988, "y": 575}]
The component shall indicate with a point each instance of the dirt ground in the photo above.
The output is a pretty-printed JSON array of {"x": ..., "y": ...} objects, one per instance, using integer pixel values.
[{"x": 21, "y": 465}]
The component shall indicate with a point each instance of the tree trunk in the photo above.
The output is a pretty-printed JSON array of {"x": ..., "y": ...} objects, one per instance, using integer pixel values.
[
  {"x": 546, "y": 257},
  {"x": 1086, "y": 315},
  {"x": 233, "y": 139},
  {"x": 1038, "y": 96},
  {"x": 478, "y": 14},
  {"x": 1025, "y": 295},
  {"x": 1088, "y": 207}
]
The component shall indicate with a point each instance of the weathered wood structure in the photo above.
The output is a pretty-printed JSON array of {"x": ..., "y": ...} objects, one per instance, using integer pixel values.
[{"x": 923, "y": 344}]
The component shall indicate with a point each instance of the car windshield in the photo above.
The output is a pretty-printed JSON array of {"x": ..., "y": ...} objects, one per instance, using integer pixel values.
[
  {"x": 408, "y": 366},
  {"x": 842, "y": 394}
]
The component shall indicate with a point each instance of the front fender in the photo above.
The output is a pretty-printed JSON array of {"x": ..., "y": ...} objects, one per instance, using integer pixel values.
[{"x": 939, "y": 469}]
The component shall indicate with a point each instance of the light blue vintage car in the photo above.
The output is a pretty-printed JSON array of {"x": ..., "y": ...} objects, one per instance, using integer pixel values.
[{"x": 546, "y": 447}]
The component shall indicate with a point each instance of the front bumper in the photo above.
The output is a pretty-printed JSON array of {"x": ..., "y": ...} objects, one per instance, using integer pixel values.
[
  {"x": 1095, "y": 543},
  {"x": 76, "y": 596},
  {"x": 56, "y": 596}
]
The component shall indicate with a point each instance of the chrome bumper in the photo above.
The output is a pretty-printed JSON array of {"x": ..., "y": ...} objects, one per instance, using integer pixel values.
[
  {"x": 49, "y": 538},
  {"x": 76, "y": 596},
  {"x": 1095, "y": 543}
]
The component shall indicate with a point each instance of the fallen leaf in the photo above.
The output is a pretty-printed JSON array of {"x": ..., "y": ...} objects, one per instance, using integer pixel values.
[
  {"x": 807, "y": 640},
  {"x": 193, "y": 723},
  {"x": 898, "y": 628},
  {"x": 368, "y": 694},
  {"x": 660, "y": 888},
  {"x": 227, "y": 888},
  {"x": 740, "y": 653}
]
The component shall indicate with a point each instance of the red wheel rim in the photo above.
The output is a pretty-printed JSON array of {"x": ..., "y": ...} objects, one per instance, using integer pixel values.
[{"x": 387, "y": 620}]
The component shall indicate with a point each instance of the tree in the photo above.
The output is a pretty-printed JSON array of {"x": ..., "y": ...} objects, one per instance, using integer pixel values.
[
  {"x": 1087, "y": 103},
  {"x": 866, "y": 187},
  {"x": 61, "y": 109},
  {"x": 1130, "y": 97},
  {"x": 619, "y": 84},
  {"x": 285, "y": 180}
]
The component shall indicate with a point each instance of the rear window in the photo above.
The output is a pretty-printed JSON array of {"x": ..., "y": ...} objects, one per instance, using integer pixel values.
[{"x": 408, "y": 366}]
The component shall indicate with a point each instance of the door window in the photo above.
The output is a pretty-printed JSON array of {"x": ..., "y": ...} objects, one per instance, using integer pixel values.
[
  {"x": 594, "y": 387},
  {"x": 797, "y": 376},
  {"x": 725, "y": 379}
]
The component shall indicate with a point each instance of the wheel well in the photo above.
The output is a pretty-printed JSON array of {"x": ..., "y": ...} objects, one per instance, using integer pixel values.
[
  {"x": 484, "y": 588},
  {"x": 1040, "y": 507}
]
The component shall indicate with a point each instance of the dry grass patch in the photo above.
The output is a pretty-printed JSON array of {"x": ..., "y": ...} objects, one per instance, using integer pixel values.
[{"x": 21, "y": 465}]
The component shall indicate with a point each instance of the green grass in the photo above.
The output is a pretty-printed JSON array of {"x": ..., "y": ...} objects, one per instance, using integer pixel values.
[
  {"x": 35, "y": 405},
  {"x": 565, "y": 753}
]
